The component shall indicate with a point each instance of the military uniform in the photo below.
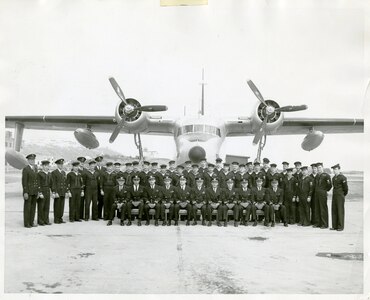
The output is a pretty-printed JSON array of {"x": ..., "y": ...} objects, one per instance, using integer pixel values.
[
  {"x": 184, "y": 196},
  {"x": 340, "y": 190},
  {"x": 199, "y": 199},
  {"x": 232, "y": 201},
  {"x": 30, "y": 192},
  {"x": 208, "y": 177},
  {"x": 59, "y": 189},
  {"x": 322, "y": 186},
  {"x": 275, "y": 200},
  {"x": 314, "y": 215},
  {"x": 75, "y": 187},
  {"x": 169, "y": 201},
  {"x": 82, "y": 159},
  {"x": 154, "y": 197},
  {"x": 121, "y": 196},
  {"x": 137, "y": 198},
  {"x": 273, "y": 176},
  {"x": 223, "y": 177},
  {"x": 108, "y": 181},
  {"x": 91, "y": 181},
  {"x": 290, "y": 187},
  {"x": 191, "y": 178},
  {"x": 261, "y": 202},
  {"x": 215, "y": 201},
  {"x": 304, "y": 198},
  {"x": 44, "y": 180},
  {"x": 246, "y": 202},
  {"x": 100, "y": 170}
]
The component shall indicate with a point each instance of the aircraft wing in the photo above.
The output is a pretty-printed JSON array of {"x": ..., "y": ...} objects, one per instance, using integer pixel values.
[
  {"x": 292, "y": 126},
  {"x": 156, "y": 125}
]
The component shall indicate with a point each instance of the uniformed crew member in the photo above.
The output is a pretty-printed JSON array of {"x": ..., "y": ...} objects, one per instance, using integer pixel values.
[
  {"x": 258, "y": 173},
  {"x": 169, "y": 200},
  {"x": 59, "y": 189},
  {"x": 117, "y": 169},
  {"x": 100, "y": 169},
  {"x": 199, "y": 195},
  {"x": 184, "y": 196},
  {"x": 127, "y": 174},
  {"x": 285, "y": 167},
  {"x": 305, "y": 196},
  {"x": 145, "y": 173},
  {"x": 290, "y": 186},
  {"x": 30, "y": 191},
  {"x": 137, "y": 198},
  {"x": 261, "y": 201},
  {"x": 231, "y": 196},
  {"x": 276, "y": 198},
  {"x": 246, "y": 197},
  {"x": 314, "y": 215},
  {"x": 82, "y": 169},
  {"x": 44, "y": 180},
  {"x": 75, "y": 188},
  {"x": 108, "y": 181},
  {"x": 172, "y": 166},
  {"x": 265, "y": 167},
  {"x": 203, "y": 166},
  {"x": 91, "y": 181},
  {"x": 209, "y": 175},
  {"x": 154, "y": 197},
  {"x": 121, "y": 197},
  {"x": 322, "y": 186},
  {"x": 188, "y": 168},
  {"x": 298, "y": 175},
  {"x": 340, "y": 190},
  {"x": 273, "y": 174},
  {"x": 192, "y": 175},
  {"x": 163, "y": 172},
  {"x": 218, "y": 166},
  {"x": 176, "y": 176},
  {"x": 243, "y": 174},
  {"x": 214, "y": 196},
  {"x": 224, "y": 175}
]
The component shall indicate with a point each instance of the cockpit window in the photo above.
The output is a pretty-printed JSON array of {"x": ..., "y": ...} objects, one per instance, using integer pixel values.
[{"x": 200, "y": 129}]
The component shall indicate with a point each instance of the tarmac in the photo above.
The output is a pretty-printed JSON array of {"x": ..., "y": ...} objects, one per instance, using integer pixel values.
[{"x": 90, "y": 257}]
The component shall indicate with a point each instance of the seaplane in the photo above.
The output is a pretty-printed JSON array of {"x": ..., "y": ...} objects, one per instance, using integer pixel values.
[{"x": 195, "y": 137}]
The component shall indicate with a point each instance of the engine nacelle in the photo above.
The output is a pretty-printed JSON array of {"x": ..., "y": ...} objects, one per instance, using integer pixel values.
[
  {"x": 274, "y": 121},
  {"x": 15, "y": 159},
  {"x": 86, "y": 138},
  {"x": 312, "y": 140},
  {"x": 136, "y": 122}
]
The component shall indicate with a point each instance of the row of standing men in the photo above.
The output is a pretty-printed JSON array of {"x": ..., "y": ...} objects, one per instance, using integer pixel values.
[{"x": 292, "y": 196}]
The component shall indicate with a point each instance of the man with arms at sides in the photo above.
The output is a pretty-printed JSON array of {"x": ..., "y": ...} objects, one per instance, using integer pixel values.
[
  {"x": 231, "y": 196},
  {"x": 82, "y": 168},
  {"x": 340, "y": 190},
  {"x": 276, "y": 198},
  {"x": 44, "y": 180},
  {"x": 304, "y": 197},
  {"x": 322, "y": 186},
  {"x": 59, "y": 189},
  {"x": 137, "y": 199},
  {"x": 290, "y": 187},
  {"x": 154, "y": 197},
  {"x": 75, "y": 188},
  {"x": 169, "y": 200},
  {"x": 314, "y": 215},
  {"x": 199, "y": 193},
  {"x": 100, "y": 169},
  {"x": 214, "y": 196},
  {"x": 91, "y": 181},
  {"x": 184, "y": 196},
  {"x": 261, "y": 201},
  {"x": 30, "y": 191},
  {"x": 121, "y": 195},
  {"x": 107, "y": 183},
  {"x": 246, "y": 203}
]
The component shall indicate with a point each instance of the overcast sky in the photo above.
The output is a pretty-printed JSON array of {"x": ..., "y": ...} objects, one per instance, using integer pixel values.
[{"x": 56, "y": 57}]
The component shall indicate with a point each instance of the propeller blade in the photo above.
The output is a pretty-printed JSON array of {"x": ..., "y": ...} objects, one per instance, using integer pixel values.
[
  {"x": 290, "y": 108},
  {"x": 260, "y": 132},
  {"x": 117, "y": 89},
  {"x": 117, "y": 130},
  {"x": 256, "y": 91},
  {"x": 150, "y": 108}
]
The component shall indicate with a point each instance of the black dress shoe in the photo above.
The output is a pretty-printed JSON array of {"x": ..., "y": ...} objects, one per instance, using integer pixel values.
[
  {"x": 194, "y": 223},
  {"x": 138, "y": 222},
  {"x": 235, "y": 224},
  {"x": 340, "y": 229},
  {"x": 273, "y": 224},
  {"x": 176, "y": 223},
  {"x": 72, "y": 221},
  {"x": 286, "y": 224},
  {"x": 204, "y": 223},
  {"x": 209, "y": 223},
  {"x": 28, "y": 226},
  {"x": 187, "y": 223},
  {"x": 169, "y": 223},
  {"x": 122, "y": 223},
  {"x": 128, "y": 223},
  {"x": 266, "y": 224},
  {"x": 95, "y": 219},
  {"x": 147, "y": 223},
  {"x": 33, "y": 225},
  {"x": 48, "y": 223},
  {"x": 225, "y": 224},
  {"x": 323, "y": 227},
  {"x": 110, "y": 223},
  {"x": 78, "y": 220},
  {"x": 255, "y": 223},
  {"x": 333, "y": 228},
  {"x": 156, "y": 223},
  {"x": 41, "y": 224},
  {"x": 218, "y": 224},
  {"x": 61, "y": 221},
  {"x": 164, "y": 223}
]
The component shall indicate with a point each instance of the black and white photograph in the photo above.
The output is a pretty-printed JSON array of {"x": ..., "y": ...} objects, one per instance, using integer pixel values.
[{"x": 184, "y": 148}]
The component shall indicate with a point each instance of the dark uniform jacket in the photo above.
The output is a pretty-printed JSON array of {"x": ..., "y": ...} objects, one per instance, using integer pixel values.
[
  {"x": 161, "y": 176},
  {"x": 74, "y": 181},
  {"x": 260, "y": 196},
  {"x": 270, "y": 177},
  {"x": 90, "y": 180},
  {"x": 144, "y": 178},
  {"x": 121, "y": 195},
  {"x": 223, "y": 177},
  {"x": 59, "y": 182},
  {"x": 100, "y": 171},
  {"x": 44, "y": 180},
  {"x": 30, "y": 181},
  {"x": 255, "y": 176},
  {"x": 192, "y": 177},
  {"x": 208, "y": 177},
  {"x": 231, "y": 195},
  {"x": 128, "y": 178},
  {"x": 212, "y": 196},
  {"x": 305, "y": 187},
  {"x": 154, "y": 194},
  {"x": 246, "y": 195},
  {"x": 184, "y": 195},
  {"x": 107, "y": 180},
  {"x": 169, "y": 194},
  {"x": 323, "y": 182},
  {"x": 298, "y": 176},
  {"x": 199, "y": 195},
  {"x": 275, "y": 197},
  {"x": 340, "y": 185},
  {"x": 176, "y": 178},
  {"x": 290, "y": 187},
  {"x": 137, "y": 195}
]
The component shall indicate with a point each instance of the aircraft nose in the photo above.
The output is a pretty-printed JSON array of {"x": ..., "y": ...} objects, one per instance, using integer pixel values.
[{"x": 196, "y": 154}]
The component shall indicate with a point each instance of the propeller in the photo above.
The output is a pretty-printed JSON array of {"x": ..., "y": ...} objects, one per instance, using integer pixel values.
[
  {"x": 129, "y": 109},
  {"x": 269, "y": 111}
]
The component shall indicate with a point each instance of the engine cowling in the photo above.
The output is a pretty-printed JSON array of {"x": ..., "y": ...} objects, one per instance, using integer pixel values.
[
  {"x": 135, "y": 122},
  {"x": 15, "y": 159},
  {"x": 275, "y": 120},
  {"x": 312, "y": 140},
  {"x": 86, "y": 138}
]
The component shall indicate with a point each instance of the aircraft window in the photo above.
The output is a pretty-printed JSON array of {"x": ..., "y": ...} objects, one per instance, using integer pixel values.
[{"x": 199, "y": 128}]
